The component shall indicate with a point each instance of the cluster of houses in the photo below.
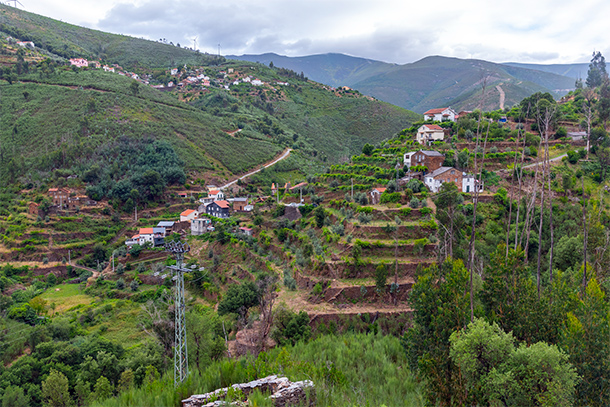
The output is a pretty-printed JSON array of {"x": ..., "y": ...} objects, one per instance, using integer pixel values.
[
  {"x": 64, "y": 198},
  {"x": 214, "y": 205},
  {"x": 154, "y": 236},
  {"x": 436, "y": 174},
  {"x": 429, "y": 133}
]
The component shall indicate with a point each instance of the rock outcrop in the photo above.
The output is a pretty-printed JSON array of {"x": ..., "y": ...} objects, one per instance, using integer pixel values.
[{"x": 282, "y": 391}]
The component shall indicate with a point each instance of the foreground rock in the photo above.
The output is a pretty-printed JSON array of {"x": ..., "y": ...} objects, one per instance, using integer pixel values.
[{"x": 283, "y": 393}]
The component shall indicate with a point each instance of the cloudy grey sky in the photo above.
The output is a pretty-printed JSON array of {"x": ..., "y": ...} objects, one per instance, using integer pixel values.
[{"x": 399, "y": 31}]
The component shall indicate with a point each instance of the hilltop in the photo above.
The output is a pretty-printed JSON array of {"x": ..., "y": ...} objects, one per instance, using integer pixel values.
[{"x": 431, "y": 82}]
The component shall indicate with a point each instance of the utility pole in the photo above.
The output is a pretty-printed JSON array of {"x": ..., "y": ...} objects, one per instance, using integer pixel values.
[
  {"x": 352, "y": 189},
  {"x": 136, "y": 213},
  {"x": 181, "y": 369}
]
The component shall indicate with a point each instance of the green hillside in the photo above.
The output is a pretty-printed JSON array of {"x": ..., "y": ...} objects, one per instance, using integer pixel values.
[
  {"x": 431, "y": 82},
  {"x": 59, "y": 117},
  {"x": 71, "y": 41}
]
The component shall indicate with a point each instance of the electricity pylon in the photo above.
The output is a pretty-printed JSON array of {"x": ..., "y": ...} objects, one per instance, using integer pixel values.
[{"x": 181, "y": 365}]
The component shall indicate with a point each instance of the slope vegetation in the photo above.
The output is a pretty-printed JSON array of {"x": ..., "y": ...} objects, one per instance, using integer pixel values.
[{"x": 431, "y": 82}]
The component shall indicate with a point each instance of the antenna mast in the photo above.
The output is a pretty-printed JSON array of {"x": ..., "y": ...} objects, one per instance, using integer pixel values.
[{"x": 181, "y": 369}]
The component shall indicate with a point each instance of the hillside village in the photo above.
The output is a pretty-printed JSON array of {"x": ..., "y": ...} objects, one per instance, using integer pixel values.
[{"x": 323, "y": 262}]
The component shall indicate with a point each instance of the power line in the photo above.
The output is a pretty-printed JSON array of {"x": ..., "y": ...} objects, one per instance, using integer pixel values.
[{"x": 180, "y": 347}]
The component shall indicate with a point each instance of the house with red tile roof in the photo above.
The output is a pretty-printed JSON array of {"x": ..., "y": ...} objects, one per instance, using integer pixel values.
[
  {"x": 429, "y": 133},
  {"x": 219, "y": 209},
  {"x": 441, "y": 114},
  {"x": 188, "y": 215}
]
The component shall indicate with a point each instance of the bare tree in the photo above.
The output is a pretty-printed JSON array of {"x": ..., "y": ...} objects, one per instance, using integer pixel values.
[{"x": 470, "y": 263}]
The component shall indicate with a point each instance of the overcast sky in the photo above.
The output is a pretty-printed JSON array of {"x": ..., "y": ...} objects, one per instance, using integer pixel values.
[{"x": 531, "y": 31}]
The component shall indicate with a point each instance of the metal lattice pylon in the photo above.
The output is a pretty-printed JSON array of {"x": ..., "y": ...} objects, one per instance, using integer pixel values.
[{"x": 181, "y": 369}]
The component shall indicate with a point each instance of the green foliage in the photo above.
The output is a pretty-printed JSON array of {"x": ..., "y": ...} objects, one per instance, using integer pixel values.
[
  {"x": 367, "y": 149},
  {"x": 238, "y": 299},
  {"x": 584, "y": 337},
  {"x": 440, "y": 303},
  {"x": 55, "y": 390},
  {"x": 390, "y": 197},
  {"x": 290, "y": 327},
  {"x": 14, "y": 397},
  {"x": 381, "y": 276},
  {"x": 497, "y": 373}
]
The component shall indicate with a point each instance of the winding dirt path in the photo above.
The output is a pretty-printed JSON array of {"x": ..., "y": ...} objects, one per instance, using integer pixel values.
[
  {"x": 502, "y": 96},
  {"x": 284, "y": 155}
]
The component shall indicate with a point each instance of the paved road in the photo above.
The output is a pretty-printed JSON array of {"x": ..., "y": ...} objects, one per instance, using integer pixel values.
[
  {"x": 552, "y": 159},
  {"x": 280, "y": 158}
]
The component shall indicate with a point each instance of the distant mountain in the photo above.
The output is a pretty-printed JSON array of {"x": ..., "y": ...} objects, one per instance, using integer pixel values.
[
  {"x": 330, "y": 69},
  {"x": 434, "y": 81},
  {"x": 575, "y": 71}
]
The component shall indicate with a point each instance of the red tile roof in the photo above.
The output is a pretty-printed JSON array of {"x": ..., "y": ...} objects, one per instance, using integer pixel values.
[
  {"x": 187, "y": 212},
  {"x": 222, "y": 204},
  {"x": 436, "y": 111},
  {"x": 146, "y": 231},
  {"x": 380, "y": 190},
  {"x": 433, "y": 126}
]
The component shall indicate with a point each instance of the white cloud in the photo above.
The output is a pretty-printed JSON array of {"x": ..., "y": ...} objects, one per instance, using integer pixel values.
[{"x": 545, "y": 31}]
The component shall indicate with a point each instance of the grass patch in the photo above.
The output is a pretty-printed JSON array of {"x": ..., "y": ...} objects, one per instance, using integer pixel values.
[{"x": 66, "y": 297}]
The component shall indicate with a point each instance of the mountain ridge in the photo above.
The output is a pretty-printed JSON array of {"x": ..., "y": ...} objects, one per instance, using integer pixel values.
[{"x": 415, "y": 86}]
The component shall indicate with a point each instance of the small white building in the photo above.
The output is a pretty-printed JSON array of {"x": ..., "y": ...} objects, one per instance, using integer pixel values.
[
  {"x": 441, "y": 115},
  {"x": 376, "y": 195},
  {"x": 189, "y": 215},
  {"x": 429, "y": 133},
  {"x": 468, "y": 183}
]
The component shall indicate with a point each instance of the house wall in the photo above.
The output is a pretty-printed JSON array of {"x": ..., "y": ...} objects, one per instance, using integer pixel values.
[
  {"x": 432, "y": 162},
  {"x": 452, "y": 175},
  {"x": 189, "y": 217}
]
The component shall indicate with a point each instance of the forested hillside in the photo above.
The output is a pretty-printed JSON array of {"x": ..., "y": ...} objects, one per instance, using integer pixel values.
[
  {"x": 476, "y": 275},
  {"x": 431, "y": 82}
]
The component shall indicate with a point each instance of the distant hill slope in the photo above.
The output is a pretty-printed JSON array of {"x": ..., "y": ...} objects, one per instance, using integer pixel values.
[
  {"x": 69, "y": 41},
  {"x": 574, "y": 71},
  {"x": 330, "y": 69},
  {"x": 431, "y": 82}
]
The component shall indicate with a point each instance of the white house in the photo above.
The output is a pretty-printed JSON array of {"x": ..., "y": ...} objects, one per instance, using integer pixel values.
[
  {"x": 429, "y": 133},
  {"x": 79, "y": 62},
  {"x": 28, "y": 44},
  {"x": 441, "y": 115},
  {"x": 147, "y": 235},
  {"x": 468, "y": 183},
  {"x": 257, "y": 82},
  {"x": 188, "y": 215},
  {"x": 108, "y": 68},
  {"x": 216, "y": 194},
  {"x": 173, "y": 71}
]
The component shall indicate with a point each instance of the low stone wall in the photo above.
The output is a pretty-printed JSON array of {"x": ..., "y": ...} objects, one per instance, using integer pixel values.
[
  {"x": 283, "y": 393},
  {"x": 378, "y": 232},
  {"x": 355, "y": 293},
  {"x": 367, "y": 270}
]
